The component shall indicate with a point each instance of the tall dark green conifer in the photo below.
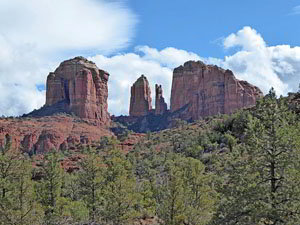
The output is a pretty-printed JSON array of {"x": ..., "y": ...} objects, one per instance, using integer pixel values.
[
  {"x": 90, "y": 180},
  {"x": 186, "y": 196},
  {"x": 49, "y": 187},
  {"x": 261, "y": 176},
  {"x": 17, "y": 200},
  {"x": 119, "y": 191}
]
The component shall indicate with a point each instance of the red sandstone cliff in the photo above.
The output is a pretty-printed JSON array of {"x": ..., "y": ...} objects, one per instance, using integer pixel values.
[
  {"x": 207, "y": 90},
  {"x": 81, "y": 87},
  {"x": 59, "y": 132},
  {"x": 160, "y": 105},
  {"x": 140, "y": 100}
]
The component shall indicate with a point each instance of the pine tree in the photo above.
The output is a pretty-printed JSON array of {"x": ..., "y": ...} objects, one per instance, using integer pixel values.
[
  {"x": 119, "y": 191},
  {"x": 200, "y": 197},
  {"x": 262, "y": 184},
  {"x": 17, "y": 199},
  {"x": 186, "y": 194},
  {"x": 72, "y": 209},
  {"x": 170, "y": 207},
  {"x": 49, "y": 187},
  {"x": 90, "y": 180}
]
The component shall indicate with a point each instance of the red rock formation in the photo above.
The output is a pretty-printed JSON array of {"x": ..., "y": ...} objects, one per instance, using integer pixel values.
[
  {"x": 160, "y": 105},
  {"x": 206, "y": 90},
  {"x": 81, "y": 87},
  {"x": 40, "y": 135},
  {"x": 140, "y": 100}
]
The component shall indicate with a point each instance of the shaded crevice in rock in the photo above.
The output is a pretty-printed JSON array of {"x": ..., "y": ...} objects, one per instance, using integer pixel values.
[{"x": 66, "y": 89}]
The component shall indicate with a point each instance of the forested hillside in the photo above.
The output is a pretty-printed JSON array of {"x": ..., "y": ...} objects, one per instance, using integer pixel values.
[{"x": 239, "y": 169}]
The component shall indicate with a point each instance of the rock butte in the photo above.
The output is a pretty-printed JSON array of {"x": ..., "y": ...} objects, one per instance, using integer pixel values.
[
  {"x": 78, "y": 86},
  {"x": 206, "y": 90},
  {"x": 140, "y": 100}
]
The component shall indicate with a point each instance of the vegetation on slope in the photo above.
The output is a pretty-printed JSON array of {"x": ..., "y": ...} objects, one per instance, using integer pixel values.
[{"x": 238, "y": 169}]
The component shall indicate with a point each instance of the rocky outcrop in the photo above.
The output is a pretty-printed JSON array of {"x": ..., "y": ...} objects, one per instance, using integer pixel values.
[
  {"x": 78, "y": 86},
  {"x": 160, "y": 105},
  {"x": 140, "y": 100},
  {"x": 59, "y": 132},
  {"x": 206, "y": 90}
]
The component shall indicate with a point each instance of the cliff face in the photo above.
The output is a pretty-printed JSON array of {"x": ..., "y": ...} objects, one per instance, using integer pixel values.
[
  {"x": 79, "y": 87},
  {"x": 160, "y": 105},
  {"x": 140, "y": 100},
  {"x": 206, "y": 90}
]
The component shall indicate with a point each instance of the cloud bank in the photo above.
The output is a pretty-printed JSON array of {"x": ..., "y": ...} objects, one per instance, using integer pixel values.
[{"x": 35, "y": 35}]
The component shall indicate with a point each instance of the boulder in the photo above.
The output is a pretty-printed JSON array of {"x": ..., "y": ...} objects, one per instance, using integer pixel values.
[
  {"x": 140, "y": 100},
  {"x": 206, "y": 90}
]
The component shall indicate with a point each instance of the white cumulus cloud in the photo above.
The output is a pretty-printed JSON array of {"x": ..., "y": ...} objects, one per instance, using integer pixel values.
[
  {"x": 254, "y": 62},
  {"x": 263, "y": 65},
  {"x": 36, "y": 34},
  {"x": 51, "y": 25}
]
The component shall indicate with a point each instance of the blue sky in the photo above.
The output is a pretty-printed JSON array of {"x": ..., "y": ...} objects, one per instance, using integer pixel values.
[
  {"x": 198, "y": 25},
  {"x": 258, "y": 40}
]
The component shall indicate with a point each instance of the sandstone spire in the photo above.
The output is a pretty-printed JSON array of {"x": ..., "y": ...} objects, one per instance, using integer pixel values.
[
  {"x": 160, "y": 105},
  {"x": 140, "y": 100}
]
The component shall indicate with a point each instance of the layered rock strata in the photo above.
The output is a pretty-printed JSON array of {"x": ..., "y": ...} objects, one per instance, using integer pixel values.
[
  {"x": 160, "y": 104},
  {"x": 206, "y": 90},
  {"x": 78, "y": 86},
  {"x": 140, "y": 100}
]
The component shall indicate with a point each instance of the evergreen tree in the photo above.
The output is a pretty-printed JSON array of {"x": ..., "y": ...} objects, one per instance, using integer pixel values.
[
  {"x": 49, "y": 187},
  {"x": 119, "y": 191},
  {"x": 186, "y": 195},
  {"x": 170, "y": 207},
  {"x": 90, "y": 180},
  {"x": 262, "y": 184},
  {"x": 17, "y": 199},
  {"x": 200, "y": 197},
  {"x": 72, "y": 209}
]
